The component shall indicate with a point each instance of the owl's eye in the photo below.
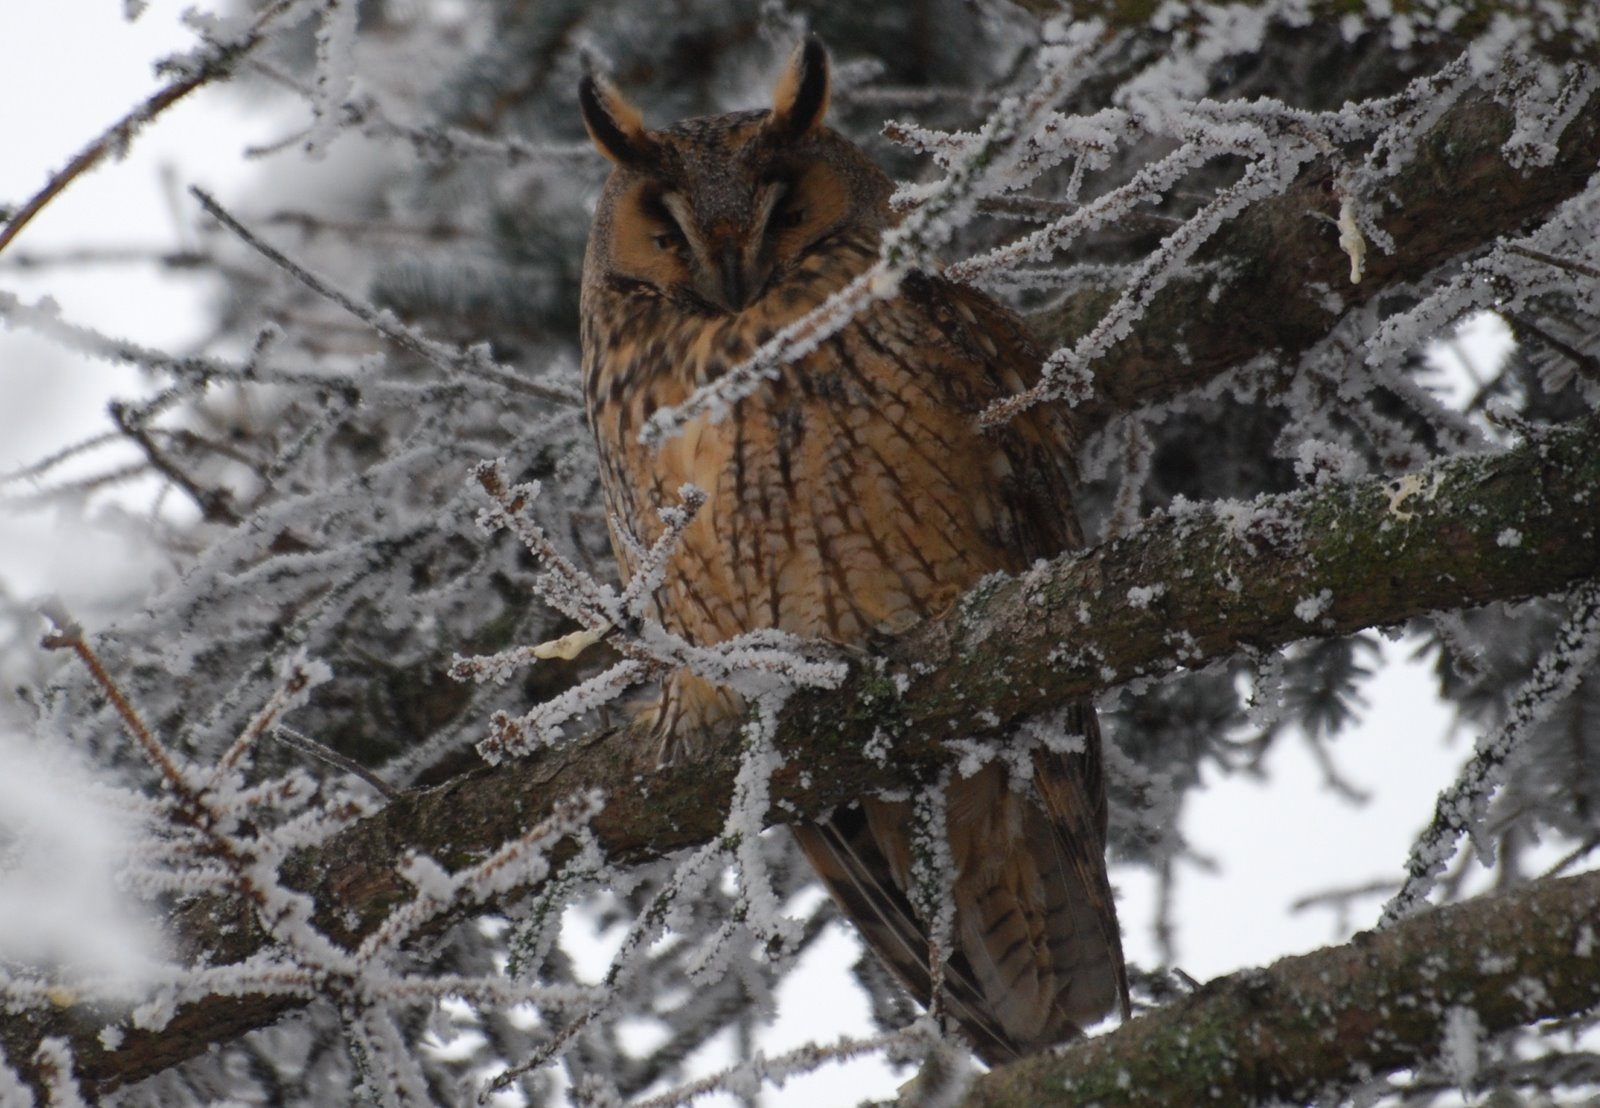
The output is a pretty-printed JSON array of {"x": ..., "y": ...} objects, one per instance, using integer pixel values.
[
  {"x": 786, "y": 218},
  {"x": 668, "y": 240},
  {"x": 663, "y": 214}
]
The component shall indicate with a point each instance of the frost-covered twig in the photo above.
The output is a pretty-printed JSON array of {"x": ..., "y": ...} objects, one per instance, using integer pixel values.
[
  {"x": 1065, "y": 373},
  {"x": 1460, "y": 808},
  {"x": 563, "y": 585},
  {"x": 752, "y": 662},
  {"x": 68, "y": 635},
  {"x": 523, "y": 861},
  {"x": 289, "y": 737},
  {"x": 688, "y": 880},
  {"x": 792, "y": 342},
  {"x": 300, "y": 676},
  {"x": 746, "y": 1078},
  {"x": 192, "y": 371},
  {"x": 436, "y": 143},
  {"x": 1568, "y": 264},
  {"x": 475, "y": 361},
  {"x": 334, "y": 72},
  {"x": 933, "y": 877},
  {"x": 752, "y": 799},
  {"x": 218, "y": 60}
]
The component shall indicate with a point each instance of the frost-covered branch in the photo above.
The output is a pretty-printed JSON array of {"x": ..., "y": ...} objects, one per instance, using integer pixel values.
[
  {"x": 1186, "y": 587},
  {"x": 215, "y": 61},
  {"x": 1562, "y": 28},
  {"x": 1458, "y": 192},
  {"x": 1319, "y": 1022},
  {"x": 1462, "y": 808},
  {"x": 475, "y": 361}
]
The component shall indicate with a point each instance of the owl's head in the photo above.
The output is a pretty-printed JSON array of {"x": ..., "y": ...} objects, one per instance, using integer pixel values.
[{"x": 713, "y": 212}]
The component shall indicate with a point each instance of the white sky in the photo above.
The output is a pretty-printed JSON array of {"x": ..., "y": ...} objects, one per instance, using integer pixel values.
[{"x": 74, "y": 66}]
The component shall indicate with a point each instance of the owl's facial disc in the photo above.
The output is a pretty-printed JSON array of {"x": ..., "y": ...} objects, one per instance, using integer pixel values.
[{"x": 730, "y": 263}]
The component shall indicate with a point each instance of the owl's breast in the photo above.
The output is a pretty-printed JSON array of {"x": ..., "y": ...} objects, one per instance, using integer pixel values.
[{"x": 853, "y": 493}]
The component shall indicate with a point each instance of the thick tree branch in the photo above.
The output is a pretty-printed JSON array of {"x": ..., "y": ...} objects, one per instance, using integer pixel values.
[
  {"x": 1334, "y": 1017},
  {"x": 1183, "y": 590}
]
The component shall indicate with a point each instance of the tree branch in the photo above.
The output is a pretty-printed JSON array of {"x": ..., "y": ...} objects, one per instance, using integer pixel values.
[
  {"x": 1559, "y": 28},
  {"x": 1317, "y": 1022},
  {"x": 216, "y": 61},
  {"x": 1457, "y": 194},
  {"x": 1183, "y": 590}
]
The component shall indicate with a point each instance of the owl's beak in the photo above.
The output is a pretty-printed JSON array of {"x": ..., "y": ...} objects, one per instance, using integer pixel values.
[{"x": 735, "y": 282}]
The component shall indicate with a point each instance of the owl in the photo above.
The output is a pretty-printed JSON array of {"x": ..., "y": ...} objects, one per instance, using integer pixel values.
[{"x": 851, "y": 496}]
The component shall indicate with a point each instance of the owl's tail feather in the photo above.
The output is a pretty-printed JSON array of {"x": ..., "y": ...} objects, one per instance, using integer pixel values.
[{"x": 1038, "y": 955}]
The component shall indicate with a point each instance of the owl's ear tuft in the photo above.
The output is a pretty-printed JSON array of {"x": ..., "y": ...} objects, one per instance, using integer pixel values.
[
  {"x": 615, "y": 126},
  {"x": 800, "y": 99}
]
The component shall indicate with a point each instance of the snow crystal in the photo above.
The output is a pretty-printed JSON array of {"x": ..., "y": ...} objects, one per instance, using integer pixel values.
[
  {"x": 1263, "y": 524},
  {"x": 1532, "y": 992},
  {"x": 878, "y": 747},
  {"x": 1489, "y": 964},
  {"x": 1509, "y": 537},
  {"x": 1140, "y": 596},
  {"x": 1317, "y": 461},
  {"x": 1309, "y": 608},
  {"x": 1458, "y": 1048},
  {"x": 1448, "y": 17}
]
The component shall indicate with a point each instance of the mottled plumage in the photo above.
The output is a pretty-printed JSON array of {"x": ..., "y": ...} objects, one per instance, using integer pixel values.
[{"x": 852, "y": 495}]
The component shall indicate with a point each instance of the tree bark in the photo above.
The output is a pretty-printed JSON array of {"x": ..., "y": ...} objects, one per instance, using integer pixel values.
[
  {"x": 1181, "y": 591},
  {"x": 1318, "y": 1022}
]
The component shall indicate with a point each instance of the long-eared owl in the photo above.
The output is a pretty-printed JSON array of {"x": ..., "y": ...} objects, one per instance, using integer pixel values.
[{"x": 852, "y": 495}]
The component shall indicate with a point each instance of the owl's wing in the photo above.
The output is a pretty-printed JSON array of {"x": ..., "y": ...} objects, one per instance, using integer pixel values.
[
  {"x": 1072, "y": 789},
  {"x": 852, "y": 862},
  {"x": 1034, "y": 913},
  {"x": 995, "y": 358},
  {"x": 1038, "y": 955}
]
